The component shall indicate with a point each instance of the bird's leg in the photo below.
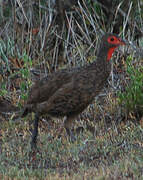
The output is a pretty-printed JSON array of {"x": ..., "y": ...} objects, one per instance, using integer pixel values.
[
  {"x": 67, "y": 125},
  {"x": 35, "y": 131}
]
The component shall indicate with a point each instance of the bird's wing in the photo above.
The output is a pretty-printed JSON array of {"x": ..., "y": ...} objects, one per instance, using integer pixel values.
[
  {"x": 42, "y": 90},
  {"x": 69, "y": 99}
]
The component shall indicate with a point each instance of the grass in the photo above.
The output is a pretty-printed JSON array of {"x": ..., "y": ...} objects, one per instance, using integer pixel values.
[{"x": 112, "y": 155}]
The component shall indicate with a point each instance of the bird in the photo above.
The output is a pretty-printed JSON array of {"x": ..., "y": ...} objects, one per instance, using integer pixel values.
[{"x": 67, "y": 93}]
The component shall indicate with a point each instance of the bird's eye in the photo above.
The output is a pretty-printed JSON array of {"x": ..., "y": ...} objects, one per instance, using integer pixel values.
[{"x": 111, "y": 39}]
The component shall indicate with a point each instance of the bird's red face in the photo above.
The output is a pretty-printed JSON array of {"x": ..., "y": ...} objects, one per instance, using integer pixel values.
[{"x": 114, "y": 42}]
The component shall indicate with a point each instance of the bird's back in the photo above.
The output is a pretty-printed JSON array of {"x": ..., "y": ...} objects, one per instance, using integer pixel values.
[{"x": 43, "y": 89}]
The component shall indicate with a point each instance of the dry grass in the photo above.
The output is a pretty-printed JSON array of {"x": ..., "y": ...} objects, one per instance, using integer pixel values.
[{"x": 115, "y": 154}]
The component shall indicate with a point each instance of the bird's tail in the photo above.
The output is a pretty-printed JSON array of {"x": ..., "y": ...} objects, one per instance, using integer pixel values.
[{"x": 7, "y": 107}]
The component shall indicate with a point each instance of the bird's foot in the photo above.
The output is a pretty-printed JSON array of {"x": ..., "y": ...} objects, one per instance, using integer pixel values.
[
  {"x": 79, "y": 130},
  {"x": 33, "y": 145},
  {"x": 72, "y": 138}
]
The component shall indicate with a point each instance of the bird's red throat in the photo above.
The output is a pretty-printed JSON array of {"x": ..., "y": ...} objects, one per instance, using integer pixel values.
[{"x": 110, "y": 52}]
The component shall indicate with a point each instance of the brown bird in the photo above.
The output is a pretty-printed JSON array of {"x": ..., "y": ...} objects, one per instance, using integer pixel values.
[{"x": 66, "y": 93}]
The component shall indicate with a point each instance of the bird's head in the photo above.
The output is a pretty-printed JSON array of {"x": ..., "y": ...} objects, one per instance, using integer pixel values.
[{"x": 111, "y": 42}]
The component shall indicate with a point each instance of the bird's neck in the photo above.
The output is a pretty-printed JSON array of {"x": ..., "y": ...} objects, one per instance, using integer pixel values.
[
  {"x": 105, "y": 53},
  {"x": 102, "y": 63}
]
